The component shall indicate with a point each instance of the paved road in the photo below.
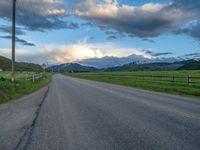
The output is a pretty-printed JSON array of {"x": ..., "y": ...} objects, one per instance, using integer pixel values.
[
  {"x": 78, "y": 114},
  {"x": 86, "y": 115}
]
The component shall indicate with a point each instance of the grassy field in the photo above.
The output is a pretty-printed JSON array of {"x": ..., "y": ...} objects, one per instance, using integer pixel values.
[
  {"x": 175, "y": 82},
  {"x": 10, "y": 91}
]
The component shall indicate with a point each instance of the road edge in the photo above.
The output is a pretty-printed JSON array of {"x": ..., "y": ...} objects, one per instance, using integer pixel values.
[{"x": 22, "y": 144}]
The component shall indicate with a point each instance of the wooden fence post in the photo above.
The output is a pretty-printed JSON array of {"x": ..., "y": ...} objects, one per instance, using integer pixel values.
[
  {"x": 33, "y": 77},
  {"x": 173, "y": 78},
  {"x": 189, "y": 79}
]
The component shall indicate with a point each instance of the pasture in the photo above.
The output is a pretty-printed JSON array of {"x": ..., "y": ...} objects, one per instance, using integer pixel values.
[{"x": 175, "y": 82}]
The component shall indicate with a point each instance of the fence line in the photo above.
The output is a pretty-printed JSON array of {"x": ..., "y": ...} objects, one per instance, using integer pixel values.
[
  {"x": 159, "y": 78},
  {"x": 34, "y": 77}
]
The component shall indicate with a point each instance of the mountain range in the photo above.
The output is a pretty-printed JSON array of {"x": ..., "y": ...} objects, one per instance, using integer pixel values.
[
  {"x": 193, "y": 65},
  {"x": 134, "y": 66},
  {"x": 151, "y": 66},
  {"x": 108, "y": 62},
  {"x": 132, "y": 62}
]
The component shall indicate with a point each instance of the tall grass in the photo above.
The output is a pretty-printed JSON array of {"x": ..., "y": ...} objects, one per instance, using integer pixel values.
[{"x": 10, "y": 91}]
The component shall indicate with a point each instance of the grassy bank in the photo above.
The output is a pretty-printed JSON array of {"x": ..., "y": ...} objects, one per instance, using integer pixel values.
[
  {"x": 10, "y": 91},
  {"x": 161, "y": 81}
]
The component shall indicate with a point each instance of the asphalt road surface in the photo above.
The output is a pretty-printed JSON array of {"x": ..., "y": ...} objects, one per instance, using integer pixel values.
[{"x": 87, "y": 115}]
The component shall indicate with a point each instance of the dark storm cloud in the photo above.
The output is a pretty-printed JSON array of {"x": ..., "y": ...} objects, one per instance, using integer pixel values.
[{"x": 21, "y": 41}]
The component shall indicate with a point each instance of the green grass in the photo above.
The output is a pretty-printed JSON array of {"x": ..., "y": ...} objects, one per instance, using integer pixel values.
[
  {"x": 10, "y": 91},
  {"x": 127, "y": 79}
]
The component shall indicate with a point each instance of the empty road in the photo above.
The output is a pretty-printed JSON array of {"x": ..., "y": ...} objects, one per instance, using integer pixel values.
[{"x": 87, "y": 115}]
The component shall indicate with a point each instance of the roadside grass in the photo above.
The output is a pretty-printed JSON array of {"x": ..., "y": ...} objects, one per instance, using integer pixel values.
[
  {"x": 10, "y": 91},
  {"x": 192, "y": 90}
]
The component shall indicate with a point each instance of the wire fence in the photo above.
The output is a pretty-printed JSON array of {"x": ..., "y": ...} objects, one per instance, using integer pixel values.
[{"x": 189, "y": 79}]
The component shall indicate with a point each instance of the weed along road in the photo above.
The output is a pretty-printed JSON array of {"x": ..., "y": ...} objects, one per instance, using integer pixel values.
[{"x": 86, "y": 115}]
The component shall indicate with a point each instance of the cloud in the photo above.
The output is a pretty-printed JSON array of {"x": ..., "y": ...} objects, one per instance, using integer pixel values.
[
  {"x": 145, "y": 21},
  {"x": 21, "y": 41},
  {"x": 161, "y": 54},
  {"x": 100, "y": 55},
  {"x": 192, "y": 55},
  {"x": 8, "y": 29},
  {"x": 87, "y": 24},
  {"x": 153, "y": 54},
  {"x": 83, "y": 51},
  {"x": 40, "y": 15},
  {"x": 75, "y": 52},
  {"x": 187, "y": 5},
  {"x": 192, "y": 29},
  {"x": 148, "y": 40},
  {"x": 114, "y": 35},
  {"x": 148, "y": 20},
  {"x": 109, "y": 61}
]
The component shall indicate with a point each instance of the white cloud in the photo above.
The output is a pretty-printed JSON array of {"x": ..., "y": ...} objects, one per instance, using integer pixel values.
[
  {"x": 56, "y": 12},
  {"x": 73, "y": 53},
  {"x": 82, "y": 51}
]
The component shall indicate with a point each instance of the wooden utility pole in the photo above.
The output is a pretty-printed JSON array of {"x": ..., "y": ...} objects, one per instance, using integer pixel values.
[{"x": 13, "y": 39}]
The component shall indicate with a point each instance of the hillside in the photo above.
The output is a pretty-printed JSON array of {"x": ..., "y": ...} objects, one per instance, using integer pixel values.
[
  {"x": 5, "y": 64},
  {"x": 194, "y": 65},
  {"x": 72, "y": 67},
  {"x": 149, "y": 66}
]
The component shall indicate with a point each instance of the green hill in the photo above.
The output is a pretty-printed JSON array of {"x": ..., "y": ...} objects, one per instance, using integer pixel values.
[
  {"x": 5, "y": 65},
  {"x": 72, "y": 67},
  {"x": 194, "y": 65},
  {"x": 148, "y": 66}
]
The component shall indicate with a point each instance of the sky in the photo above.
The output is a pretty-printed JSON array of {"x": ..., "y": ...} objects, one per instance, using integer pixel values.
[{"x": 60, "y": 31}]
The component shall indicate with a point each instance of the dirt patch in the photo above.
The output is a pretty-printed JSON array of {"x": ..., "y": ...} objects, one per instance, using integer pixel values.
[{"x": 2, "y": 93}]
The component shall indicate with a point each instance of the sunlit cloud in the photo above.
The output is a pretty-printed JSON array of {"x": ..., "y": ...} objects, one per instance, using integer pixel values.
[
  {"x": 82, "y": 51},
  {"x": 58, "y": 54}
]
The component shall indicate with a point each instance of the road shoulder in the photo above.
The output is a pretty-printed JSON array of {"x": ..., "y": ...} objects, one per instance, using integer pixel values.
[{"x": 17, "y": 118}]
